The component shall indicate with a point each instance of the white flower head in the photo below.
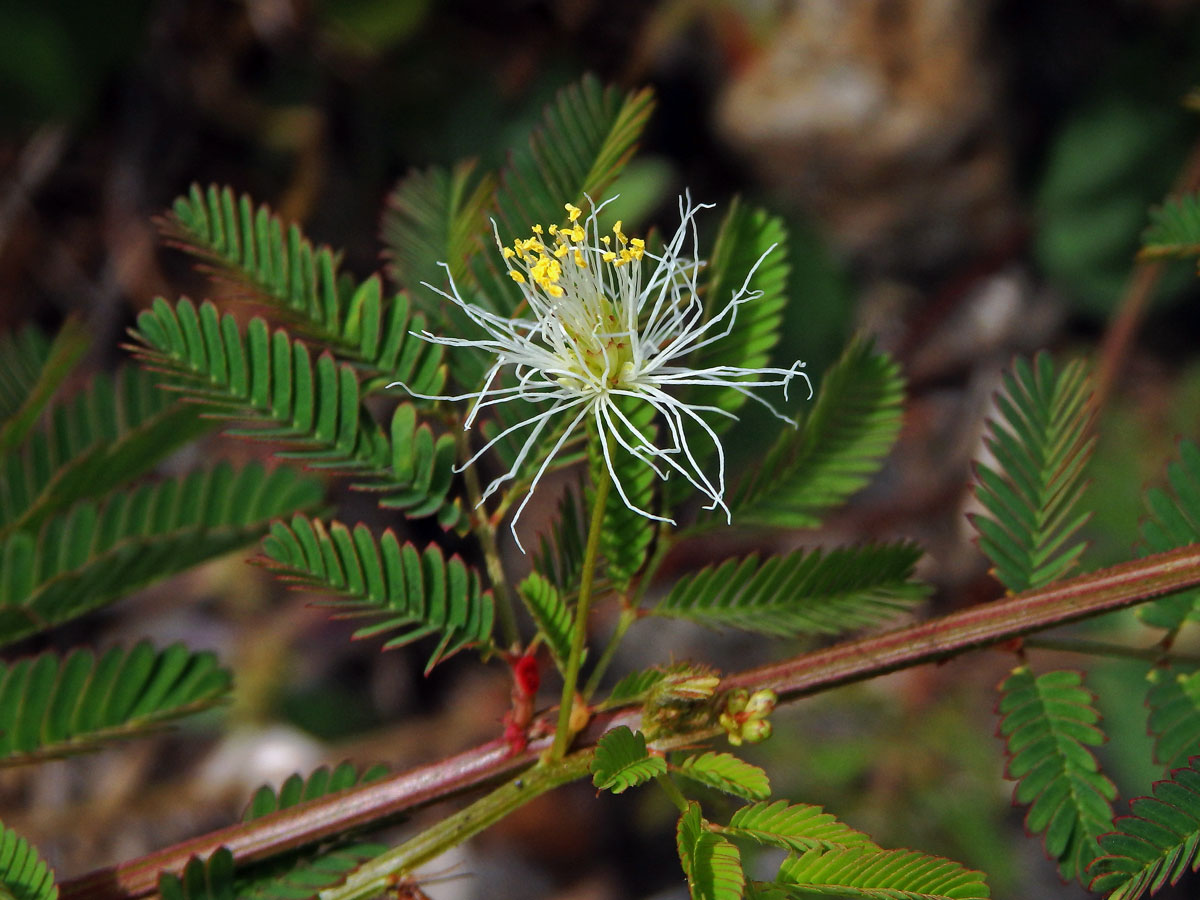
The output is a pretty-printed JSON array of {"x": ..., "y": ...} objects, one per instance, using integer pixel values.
[{"x": 608, "y": 318}]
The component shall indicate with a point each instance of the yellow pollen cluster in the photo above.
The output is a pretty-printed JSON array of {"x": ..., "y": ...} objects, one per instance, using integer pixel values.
[{"x": 544, "y": 266}]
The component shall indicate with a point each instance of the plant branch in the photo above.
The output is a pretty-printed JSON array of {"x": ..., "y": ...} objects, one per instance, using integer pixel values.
[
  {"x": 373, "y": 878},
  {"x": 980, "y": 626}
]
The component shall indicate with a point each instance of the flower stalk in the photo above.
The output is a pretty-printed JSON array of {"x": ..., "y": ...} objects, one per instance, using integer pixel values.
[
  {"x": 372, "y": 879},
  {"x": 563, "y": 731}
]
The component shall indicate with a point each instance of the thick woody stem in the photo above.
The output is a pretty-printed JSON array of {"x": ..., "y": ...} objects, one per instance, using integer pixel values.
[{"x": 980, "y": 626}]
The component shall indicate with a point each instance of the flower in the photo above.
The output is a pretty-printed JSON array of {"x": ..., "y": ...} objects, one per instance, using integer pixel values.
[{"x": 607, "y": 319}]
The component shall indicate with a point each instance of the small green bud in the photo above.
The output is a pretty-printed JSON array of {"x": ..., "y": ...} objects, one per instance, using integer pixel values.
[
  {"x": 761, "y": 703},
  {"x": 736, "y": 702},
  {"x": 754, "y": 731}
]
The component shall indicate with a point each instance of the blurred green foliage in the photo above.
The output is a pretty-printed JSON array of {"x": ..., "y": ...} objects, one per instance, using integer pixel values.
[
  {"x": 1116, "y": 155},
  {"x": 56, "y": 57}
]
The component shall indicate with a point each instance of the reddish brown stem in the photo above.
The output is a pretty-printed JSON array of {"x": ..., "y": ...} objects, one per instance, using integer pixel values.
[{"x": 979, "y": 626}]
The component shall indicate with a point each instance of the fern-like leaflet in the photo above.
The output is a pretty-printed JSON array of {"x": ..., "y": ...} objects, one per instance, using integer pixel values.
[
  {"x": 420, "y": 592},
  {"x": 805, "y": 592},
  {"x": 1173, "y": 521},
  {"x": 625, "y": 536},
  {"x": 1041, "y": 445},
  {"x": 1048, "y": 724},
  {"x": 298, "y": 789},
  {"x": 622, "y": 761},
  {"x": 725, "y": 772},
  {"x": 95, "y": 554},
  {"x": 796, "y": 828},
  {"x": 23, "y": 355},
  {"x": 877, "y": 875},
  {"x": 1174, "y": 230},
  {"x": 1174, "y": 702},
  {"x": 52, "y": 707},
  {"x": 551, "y": 615},
  {"x": 842, "y": 442},
  {"x": 1157, "y": 844},
  {"x": 24, "y": 875},
  {"x": 269, "y": 379},
  {"x": 712, "y": 864},
  {"x": 105, "y": 436},
  {"x": 34, "y": 376},
  {"x": 743, "y": 244},
  {"x": 253, "y": 248},
  {"x": 435, "y": 217}
]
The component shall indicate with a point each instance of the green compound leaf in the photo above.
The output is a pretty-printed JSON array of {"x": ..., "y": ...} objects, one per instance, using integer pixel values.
[
  {"x": 560, "y": 553},
  {"x": 551, "y": 615},
  {"x": 626, "y": 535},
  {"x": 289, "y": 877},
  {"x": 725, "y": 772},
  {"x": 796, "y": 828},
  {"x": 23, "y": 874},
  {"x": 1048, "y": 724},
  {"x": 1174, "y": 521},
  {"x": 422, "y": 593},
  {"x": 435, "y": 217},
  {"x": 104, "y": 437},
  {"x": 297, "y": 789},
  {"x": 622, "y": 762},
  {"x": 271, "y": 381},
  {"x": 882, "y": 874},
  {"x": 301, "y": 874},
  {"x": 805, "y": 592},
  {"x": 587, "y": 135},
  {"x": 1174, "y": 230},
  {"x": 254, "y": 250},
  {"x": 52, "y": 706},
  {"x": 854, "y": 422},
  {"x": 1174, "y": 701},
  {"x": 1157, "y": 844},
  {"x": 634, "y": 686},
  {"x": 1041, "y": 444},
  {"x": 23, "y": 355},
  {"x": 201, "y": 880},
  {"x": 97, "y": 553},
  {"x": 53, "y": 367},
  {"x": 713, "y": 865},
  {"x": 746, "y": 234}
]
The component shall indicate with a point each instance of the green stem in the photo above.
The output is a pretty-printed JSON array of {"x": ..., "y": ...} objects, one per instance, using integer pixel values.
[
  {"x": 373, "y": 878},
  {"x": 485, "y": 529},
  {"x": 628, "y": 617},
  {"x": 672, "y": 791},
  {"x": 562, "y": 734}
]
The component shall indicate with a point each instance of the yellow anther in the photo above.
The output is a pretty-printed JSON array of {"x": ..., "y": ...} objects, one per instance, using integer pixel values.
[
  {"x": 605, "y": 240},
  {"x": 637, "y": 243},
  {"x": 573, "y": 211},
  {"x": 579, "y": 260},
  {"x": 516, "y": 276},
  {"x": 561, "y": 250},
  {"x": 553, "y": 229},
  {"x": 508, "y": 253},
  {"x": 537, "y": 229},
  {"x": 554, "y": 290},
  {"x": 608, "y": 256},
  {"x": 578, "y": 234}
]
